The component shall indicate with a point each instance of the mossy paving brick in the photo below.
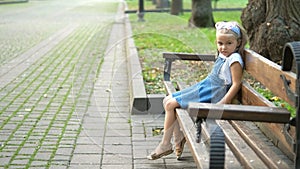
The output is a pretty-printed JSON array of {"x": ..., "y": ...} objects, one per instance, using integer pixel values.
[{"x": 27, "y": 150}]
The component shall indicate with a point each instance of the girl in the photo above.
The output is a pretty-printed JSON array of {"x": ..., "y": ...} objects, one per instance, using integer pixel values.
[{"x": 220, "y": 86}]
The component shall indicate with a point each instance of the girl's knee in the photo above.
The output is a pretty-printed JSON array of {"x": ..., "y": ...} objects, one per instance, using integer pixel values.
[
  {"x": 171, "y": 104},
  {"x": 166, "y": 99}
]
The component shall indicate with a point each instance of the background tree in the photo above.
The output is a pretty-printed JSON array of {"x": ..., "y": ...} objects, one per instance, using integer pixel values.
[
  {"x": 176, "y": 7},
  {"x": 201, "y": 14},
  {"x": 270, "y": 24}
]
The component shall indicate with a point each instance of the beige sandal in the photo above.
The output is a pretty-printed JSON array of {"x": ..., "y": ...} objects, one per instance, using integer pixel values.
[
  {"x": 179, "y": 149},
  {"x": 160, "y": 151}
]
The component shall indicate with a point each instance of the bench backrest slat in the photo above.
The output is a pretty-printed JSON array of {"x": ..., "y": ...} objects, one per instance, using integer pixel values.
[
  {"x": 249, "y": 96},
  {"x": 268, "y": 73}
]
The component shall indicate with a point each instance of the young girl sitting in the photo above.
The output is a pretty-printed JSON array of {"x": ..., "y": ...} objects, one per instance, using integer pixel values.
[{"x": 220, "y": 86}]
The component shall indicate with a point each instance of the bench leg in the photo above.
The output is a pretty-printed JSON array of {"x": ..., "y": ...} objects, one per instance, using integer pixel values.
[{"x": 198, "y": 123}]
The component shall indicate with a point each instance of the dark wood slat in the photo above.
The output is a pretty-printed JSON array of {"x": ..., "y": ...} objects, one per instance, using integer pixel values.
[
  {"x": 240, "y": 112},
  {"x": 189, "y": 56}
]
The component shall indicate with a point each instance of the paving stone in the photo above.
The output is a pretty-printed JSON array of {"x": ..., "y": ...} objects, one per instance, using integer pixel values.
[
  {"x": 26, "y": 150},
  {"x": 86, "y": 159},
  {"x": 20, "y": 162},
  {"x": 117, "y": 159},
  {"x": 127, "y": 166},
  {"x": 58, "y": 166},
  {"x": 39, "y": 163},
  {"x": 43, "y": 156},
  {"x": 64, "y": 151},
  {"x": 115, "y": 140},
  {"x": 4, "y": 160},
  {"x": 88, "y": 149},
  {"x": 83, "y": 166},
  {"x": 117, "y": 149}
]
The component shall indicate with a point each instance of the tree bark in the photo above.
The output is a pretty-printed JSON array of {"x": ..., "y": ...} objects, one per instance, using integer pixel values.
[
  {"x": 270, "y": 24},
  {"x": 201, "y": 14},
  {"x": 176, "y": 7}
]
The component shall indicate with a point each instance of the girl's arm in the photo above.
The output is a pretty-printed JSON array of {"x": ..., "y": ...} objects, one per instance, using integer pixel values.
[{"x": 236, "y": 75}]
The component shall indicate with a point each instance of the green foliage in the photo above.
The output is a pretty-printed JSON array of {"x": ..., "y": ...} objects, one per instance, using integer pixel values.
[
  {"x": 153, "y": 78},
  {"x": 277, "y": 101}
]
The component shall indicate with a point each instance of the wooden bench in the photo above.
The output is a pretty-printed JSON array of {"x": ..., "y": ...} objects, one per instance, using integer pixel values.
[{"x": 256, "y": 132}]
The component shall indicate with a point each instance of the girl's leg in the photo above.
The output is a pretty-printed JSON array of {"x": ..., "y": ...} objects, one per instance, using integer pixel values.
[
  {"x": 179, "y": 139},
  {"x": 171, "y": 124},
  {"x": 177, "y": 133},
  {"x": 165, "y": 147},
  {"x": 170, "y": 119}
]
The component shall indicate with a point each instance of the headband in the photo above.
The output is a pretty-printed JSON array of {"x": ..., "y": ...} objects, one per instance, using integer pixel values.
[{"x": 233, "y": 26}]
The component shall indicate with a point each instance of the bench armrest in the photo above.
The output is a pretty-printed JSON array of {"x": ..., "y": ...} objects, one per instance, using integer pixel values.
[
  {"x": 239, "y": 112},
  {"x": 189, "y": 56},
  {"x": 171, "y": 56}
]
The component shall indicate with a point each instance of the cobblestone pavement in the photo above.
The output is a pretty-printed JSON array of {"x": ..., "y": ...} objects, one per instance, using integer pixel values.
[{"x": 64, "y": 95}]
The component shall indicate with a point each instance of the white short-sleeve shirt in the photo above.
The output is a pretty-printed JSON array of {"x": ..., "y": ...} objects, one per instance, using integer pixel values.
[{"x": 225, "y": 72}]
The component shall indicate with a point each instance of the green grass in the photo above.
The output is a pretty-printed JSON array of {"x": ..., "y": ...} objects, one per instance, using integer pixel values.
[{"x": 231, "y": 3}]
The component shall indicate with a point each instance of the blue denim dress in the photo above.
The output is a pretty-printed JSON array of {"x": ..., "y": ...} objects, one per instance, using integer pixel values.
[{"x": 210, "y": 90}]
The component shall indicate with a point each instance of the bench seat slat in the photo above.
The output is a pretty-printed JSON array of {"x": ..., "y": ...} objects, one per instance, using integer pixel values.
[
  {"x": 198, "y": 150},
  {"x": 240, "y": 148},
  {"x": 169, "y": 87},
  {"x": 261, "y": 145},
  {"x": 271, "y": 130},
  {"x": 240, "y": 112}
]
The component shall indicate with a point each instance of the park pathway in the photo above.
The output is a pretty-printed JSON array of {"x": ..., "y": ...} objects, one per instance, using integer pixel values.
[{"x": 64, "y": 95}]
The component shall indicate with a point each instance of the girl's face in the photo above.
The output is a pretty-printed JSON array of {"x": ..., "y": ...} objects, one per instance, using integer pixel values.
[{"x": 227, "y": 43}]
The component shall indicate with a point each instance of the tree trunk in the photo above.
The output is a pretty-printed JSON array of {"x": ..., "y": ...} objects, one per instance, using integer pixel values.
[
  {"x": 270, "y": 24},
  {"x": 162, "y": 3},
  {"x": 176, "y": 7},
  {"x": 202, "y": 14}
]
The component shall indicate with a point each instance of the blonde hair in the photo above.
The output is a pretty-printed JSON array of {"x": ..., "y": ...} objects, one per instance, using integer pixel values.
[{"x": 235, "y": 29}]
